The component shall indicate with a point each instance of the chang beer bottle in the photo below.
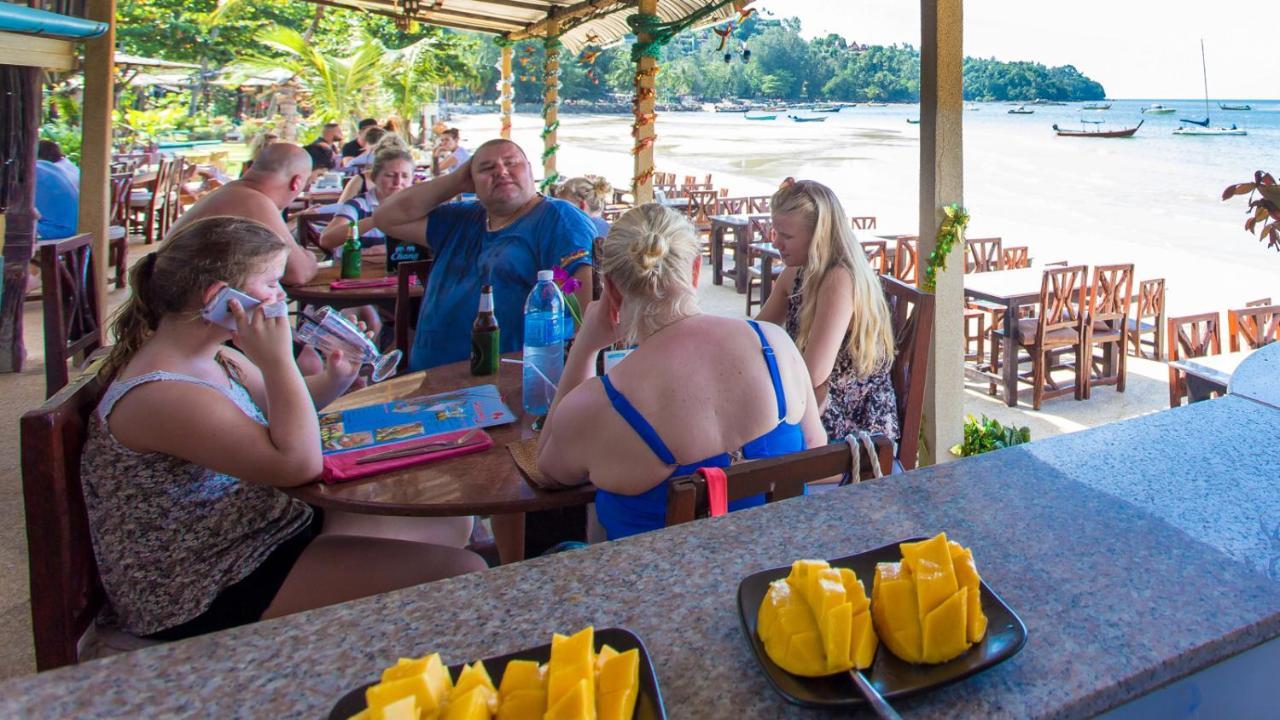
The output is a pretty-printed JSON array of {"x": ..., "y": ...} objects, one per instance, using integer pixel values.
[
  {"x": 351, "y": 254},
  {"x": 484, "y": 336}
]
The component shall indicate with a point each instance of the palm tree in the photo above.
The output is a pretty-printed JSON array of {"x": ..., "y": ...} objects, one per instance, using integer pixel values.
[
  {"x": 339, "y": 86},
  {"x": 413, "y": 74}
]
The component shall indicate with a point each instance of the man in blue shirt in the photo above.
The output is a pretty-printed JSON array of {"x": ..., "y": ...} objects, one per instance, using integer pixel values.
[
  {"x": 502, "y": 239},
  {"x": 57, "y": 201}
]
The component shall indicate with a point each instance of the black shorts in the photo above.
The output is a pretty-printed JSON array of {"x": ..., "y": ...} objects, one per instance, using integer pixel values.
[{"x": 244, "y": 602}]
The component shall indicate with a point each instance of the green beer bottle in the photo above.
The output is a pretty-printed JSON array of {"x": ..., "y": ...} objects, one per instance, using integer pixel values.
[
  {"x": 351, "y": 254},
  {"x": 484, "y": 336}
]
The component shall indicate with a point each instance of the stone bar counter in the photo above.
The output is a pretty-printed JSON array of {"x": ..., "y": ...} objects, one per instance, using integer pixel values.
[{"x": 1136, "y": 553}]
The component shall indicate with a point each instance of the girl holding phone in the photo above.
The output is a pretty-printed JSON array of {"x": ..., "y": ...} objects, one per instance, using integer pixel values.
[{"x": 192, "y": 442}]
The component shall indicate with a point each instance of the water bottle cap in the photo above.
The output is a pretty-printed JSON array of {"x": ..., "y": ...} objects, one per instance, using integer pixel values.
[{"x": 546, "y": 276}]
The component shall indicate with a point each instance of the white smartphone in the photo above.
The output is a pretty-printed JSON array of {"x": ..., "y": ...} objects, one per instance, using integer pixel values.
[{"x": 219, "y": 313}]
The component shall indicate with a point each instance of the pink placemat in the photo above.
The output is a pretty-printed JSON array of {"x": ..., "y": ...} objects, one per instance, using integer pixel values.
[
  {"x": 341, "y": 467},
  {"x": 361, "y": 284}
]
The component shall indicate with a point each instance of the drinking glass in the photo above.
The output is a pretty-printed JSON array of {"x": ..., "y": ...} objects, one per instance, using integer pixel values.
[{"x": 327, "y": 330}]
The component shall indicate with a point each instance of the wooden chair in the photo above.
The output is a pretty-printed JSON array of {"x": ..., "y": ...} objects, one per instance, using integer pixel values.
[
  {"x": 760, "y": 230},
  {"x": 724, "y": 192},
  {"x": 975, "y": 335},
  {"x": 1191, "y": 336},
  {"x": 983, "y": 255},
  {"x": 66, "y": 592},
  {"x": 407, "y": 306},
  {"x": 1258, "y": 326},
  {"x": 1106, "y": 324},
  {"x": 1261, "y": 302},
  {"x": 1058, "y": 329},
  {"x": 732, "y": 206},
  {"x": 310, "y": 225},
  {"x": 72, "y": 326},
  {"x": 911, "y": 313},
  {"x": 1055, "y": 264},
  {"x": 877, "y": 253},
  {"x": 701, "y": 204},
  {"x": 1150, "y": 306},
  {"x": 1017, "y": 257},
  {"x": 778, "y": 478},
  {"x": 612, "y": 213},
  {"x": 863, "y": 222},
  {"x": 118, "y": 232},
  {"x": 147, "y": 205},
  {"x": 179, "y": 175},
  {"x": 759, "y": 203},
  {"x": 905, "y": 260}
]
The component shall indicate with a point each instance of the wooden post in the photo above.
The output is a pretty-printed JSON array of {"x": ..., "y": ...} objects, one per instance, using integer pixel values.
[
  {"x": 941, "y": 184},
  {"x": 506, "y": 92},
  {"x": 95, "y": 148},
  {"x": 550, "y": 105},
  {"x": 645, "y": 99},
  {"x": 20, "y": 129}
]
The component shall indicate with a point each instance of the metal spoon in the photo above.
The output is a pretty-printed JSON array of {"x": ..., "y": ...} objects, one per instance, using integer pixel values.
[{"x": 878, "y": 704}]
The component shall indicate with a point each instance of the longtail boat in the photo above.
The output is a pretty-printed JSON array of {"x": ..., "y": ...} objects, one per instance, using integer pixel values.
[
  {"x": 1125, "y": 133},
  {"x": 797, "y": 118},
  {"x": 761, "y": 117}
]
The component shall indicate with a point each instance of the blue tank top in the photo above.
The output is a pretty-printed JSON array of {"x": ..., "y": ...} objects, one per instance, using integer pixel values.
[{"x": 624, "y": 515}]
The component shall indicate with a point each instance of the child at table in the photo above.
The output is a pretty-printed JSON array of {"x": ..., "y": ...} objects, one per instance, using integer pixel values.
[{"x": 183, "y": 470}]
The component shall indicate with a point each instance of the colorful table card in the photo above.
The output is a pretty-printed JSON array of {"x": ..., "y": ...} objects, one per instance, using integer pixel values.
[{"x": 384, "y": 423}]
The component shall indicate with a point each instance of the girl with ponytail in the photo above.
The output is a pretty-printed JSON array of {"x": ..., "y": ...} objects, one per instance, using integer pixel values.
[
  {"x": 697, "y": 391},
  {"x": 192, "y": 442},
  {"x": 833, "y": 307}
]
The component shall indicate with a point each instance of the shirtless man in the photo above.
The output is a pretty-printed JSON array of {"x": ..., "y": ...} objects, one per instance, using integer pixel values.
[{"x": 278, "y": 174}]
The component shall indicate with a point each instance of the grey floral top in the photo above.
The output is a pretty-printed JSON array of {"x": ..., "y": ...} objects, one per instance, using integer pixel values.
[
  {"x": 852, "y": 403},
  {"x": 170, "y": 535}
]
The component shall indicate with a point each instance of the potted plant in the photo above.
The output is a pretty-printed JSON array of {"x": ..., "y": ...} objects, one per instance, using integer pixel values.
[
  {"x": 987, "y": 434},
  {"x": 1263, "y": 208}
]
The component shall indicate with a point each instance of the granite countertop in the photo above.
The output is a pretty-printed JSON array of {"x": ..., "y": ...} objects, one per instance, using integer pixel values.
[
  {"x": 1258, "y": 377},
  {"x": 1136, "y": 553}
]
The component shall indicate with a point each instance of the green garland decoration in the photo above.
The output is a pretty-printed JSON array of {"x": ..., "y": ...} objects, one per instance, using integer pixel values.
[
  {"x": 503, "y": 41},
  {"x": 549, "y": 180},
  {"x": 550, "y": 128},
  {"x": 661, "y": 32},
  {"x": 951, "y": 232},
  {"x": 548, "y": 152}
]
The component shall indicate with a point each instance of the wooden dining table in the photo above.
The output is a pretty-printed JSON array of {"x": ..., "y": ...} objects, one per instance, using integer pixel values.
[
  {"x": 1209, "y": 374},
  {"x": 740, "y": 226},
  {"x": 485, "y": 483},
  {"x": 373, "y": 267},
  {"x": 1010, "y": 289}
]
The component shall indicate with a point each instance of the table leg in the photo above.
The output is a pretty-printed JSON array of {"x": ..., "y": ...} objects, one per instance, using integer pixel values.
[
  {"x": 717, "y": 254},
  {"x": 1009, "y": 348},
  {"x": 508, "y": 535},
  {"x": 766, "y": 278},
  {"x": 741, "y": 261}
]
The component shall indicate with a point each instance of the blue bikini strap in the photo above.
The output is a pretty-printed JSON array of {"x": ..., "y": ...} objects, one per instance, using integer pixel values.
[
  {"x": 772, "y": 362},
  {"x": 637, "y": 422}
]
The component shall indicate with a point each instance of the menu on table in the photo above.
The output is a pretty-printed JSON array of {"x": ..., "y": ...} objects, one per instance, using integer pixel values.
[{"x": 415, "y": 417}]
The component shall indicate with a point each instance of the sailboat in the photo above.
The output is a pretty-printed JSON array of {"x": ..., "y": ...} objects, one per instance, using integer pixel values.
[{"x": 1202, "y": 128}]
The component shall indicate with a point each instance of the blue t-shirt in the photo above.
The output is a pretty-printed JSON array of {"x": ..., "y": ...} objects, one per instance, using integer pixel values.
[
  {"x": 602, "y": 226},
  {"x": 553, "y": 234},
  {"x": 57, "y": 201}
]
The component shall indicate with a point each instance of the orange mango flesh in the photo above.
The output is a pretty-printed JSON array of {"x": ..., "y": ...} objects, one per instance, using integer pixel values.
[
  {"x": 816, "y": 621},
  {"x": 927, "y": 608},
  {"x": 577, "y": 684}
]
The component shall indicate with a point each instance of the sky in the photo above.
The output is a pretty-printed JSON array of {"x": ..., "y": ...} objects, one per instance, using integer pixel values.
[{"x": 1135, "y": 48}]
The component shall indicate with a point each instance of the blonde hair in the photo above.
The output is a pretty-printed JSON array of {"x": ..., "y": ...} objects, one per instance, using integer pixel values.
[
  {"x": 260, "y": 142},
  {"x": 870, "y": 332},
  {"x": 172, "y": 279},
  {"x": 589, "y": 189},
  {"x": 389, "y": 141},
  {"x": 388, "y": 153},
  {"x": 648, "y": 256}
]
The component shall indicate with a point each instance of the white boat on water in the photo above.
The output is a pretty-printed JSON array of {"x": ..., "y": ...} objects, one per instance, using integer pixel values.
[
  {"x": 1208, "y": 131},
  {"x": 1202, "y": 128},
  {"x": 1159, "y": 109}
]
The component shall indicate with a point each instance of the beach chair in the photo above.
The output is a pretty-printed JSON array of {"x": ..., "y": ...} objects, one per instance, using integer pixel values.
[
  {"x": 1191, "y": 336},
  {"x": 1257, "y": 326},
  {"x": 778, "y": 478},
  {"x": 1057, "y": 331},
  {"x": 1106, "y": 325}
]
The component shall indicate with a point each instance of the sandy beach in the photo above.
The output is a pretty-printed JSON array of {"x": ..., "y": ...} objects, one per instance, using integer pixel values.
[{"x": 1153, "y": 202}]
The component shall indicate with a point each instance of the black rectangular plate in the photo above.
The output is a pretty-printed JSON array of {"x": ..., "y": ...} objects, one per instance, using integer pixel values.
[
  {"x": 892, "y": 677},
  {"x": 648, "y": 703}
]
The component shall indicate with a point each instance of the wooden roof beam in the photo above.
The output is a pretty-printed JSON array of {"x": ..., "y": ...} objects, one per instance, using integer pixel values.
[
  {"x": 390, "y": 14},
  {"x": 427, "y": 14},
  {"x": 572, "y": 12}
]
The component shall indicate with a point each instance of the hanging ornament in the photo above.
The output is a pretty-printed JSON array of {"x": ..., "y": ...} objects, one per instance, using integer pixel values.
[
  {"x": 728, "y": 57},
  {"x": 746, "y": 53},
  {"x": 588, "y": 57},
  {"x": 724, "y": 34}
]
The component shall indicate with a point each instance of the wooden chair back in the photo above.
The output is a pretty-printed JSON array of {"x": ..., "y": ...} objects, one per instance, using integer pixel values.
[
  {"x": 121, "y": 186},
  {"x": 1150, "y": 305},
  {"x": 778, "y": 478},
  {"x": 1062, "y": 301},
  {"x": 905, "y": 259},
  {"x": 66, "y": 592},
  {"x": 759, "y": 203},
  {"x": 1191, "y": 336},
  {"x": 983, "y": 254},
  {"x": 1257, "y": 326},
  {"x": 761, "y": 229},
  {"x": 1150, "y": 299},
  {"x": 1110, "y": 295},
  {"x": 911, "y": 311},
  {"x": 310, "y": 225},
  {"x": 407, "y": 306},
  {"x": 1017, "y": 257},
  {"x": 732, "y": 206},
  {"x": 863, "y": 222},
  {"x": 1260, "y": 302},
  {"x": 724, "y": 192},
  {"x": 877, "y": 252},
  {"x": 701, "y": 204},
  {"x": 72, "y": 325},
  {"x": 690, "y": 180}
]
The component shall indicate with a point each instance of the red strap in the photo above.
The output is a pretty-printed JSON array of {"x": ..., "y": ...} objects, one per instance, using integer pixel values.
[{"x": 717, "y": 490}]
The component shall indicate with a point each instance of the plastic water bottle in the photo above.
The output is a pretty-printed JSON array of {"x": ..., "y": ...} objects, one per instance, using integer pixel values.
[{"x": 543, "y": 344}]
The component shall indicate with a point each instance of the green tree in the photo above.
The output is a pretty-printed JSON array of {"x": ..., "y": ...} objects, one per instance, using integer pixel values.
[{"x": 339, "y": 87}]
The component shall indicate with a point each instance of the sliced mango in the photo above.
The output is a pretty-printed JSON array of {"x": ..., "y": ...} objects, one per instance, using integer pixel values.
[
  {"x": 406, "y": 708},
  {"x": 928, "y": 608},
  {"x": 810, "y": 622},
  {"x": 470, "y": 705},
  {"x": 618, "y": 685},
  {"x": 575, "y": 704}
]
